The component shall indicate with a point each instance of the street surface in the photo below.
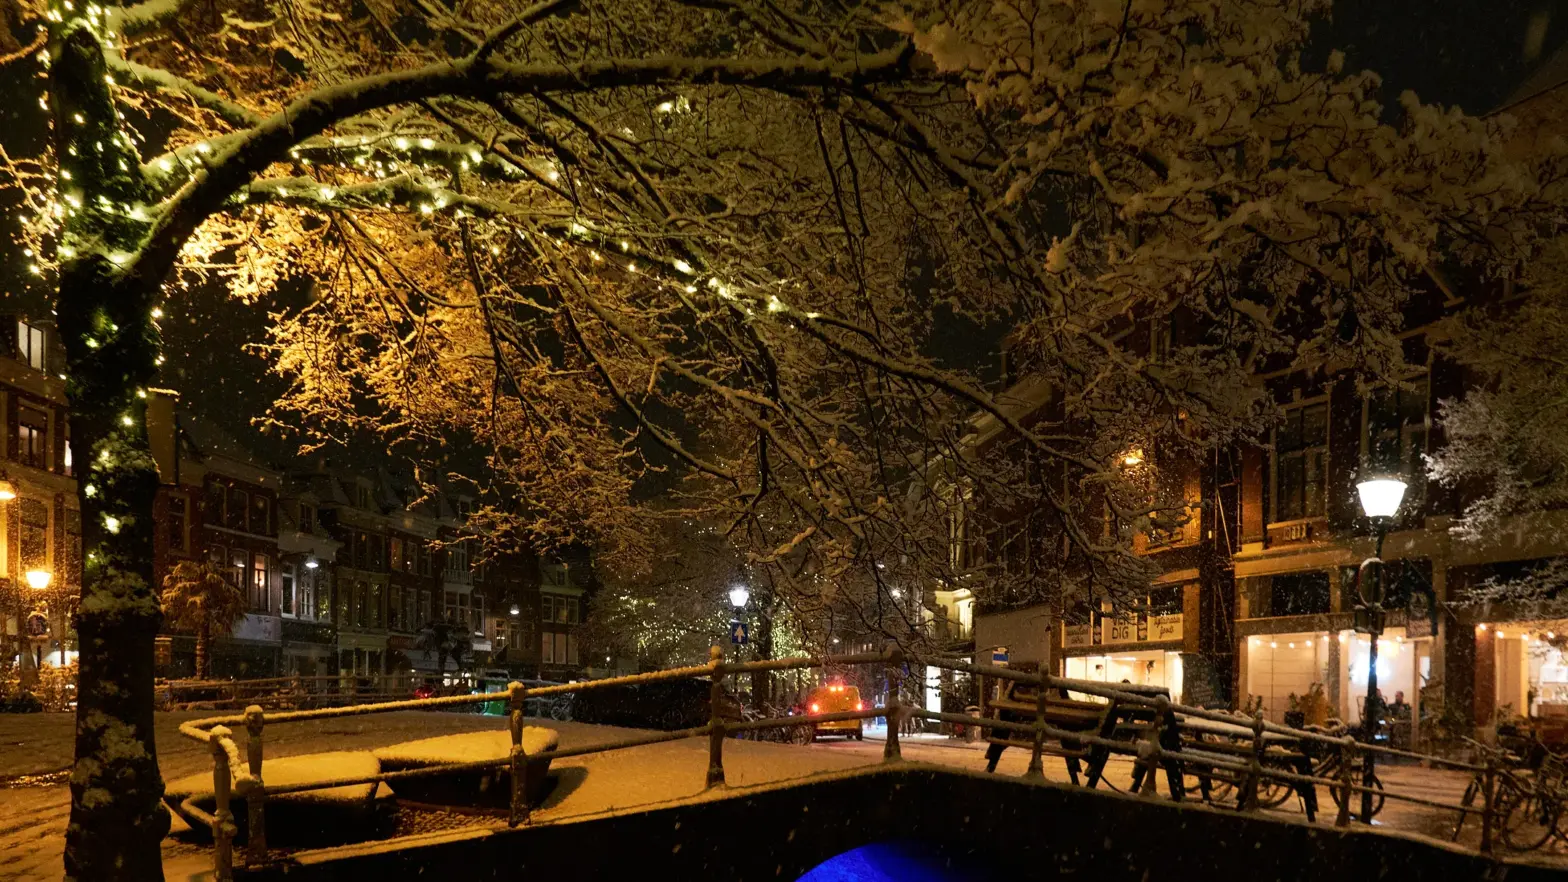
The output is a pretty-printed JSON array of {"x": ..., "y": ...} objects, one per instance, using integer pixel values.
[{"x": 35, "y": 751}]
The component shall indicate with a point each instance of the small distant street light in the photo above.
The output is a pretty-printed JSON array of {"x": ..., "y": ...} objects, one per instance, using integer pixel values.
[
  {"x": 1380, "y": 499},
  {"x": 39, "y": 579},
  {"x": 516, "y": 610},
  {"x": 739, "y": 595},
  {"x": 897, "y": 593},
  {"x": 312, "y": 563}
]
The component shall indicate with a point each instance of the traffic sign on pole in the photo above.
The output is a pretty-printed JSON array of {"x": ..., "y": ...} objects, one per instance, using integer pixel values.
[{"x": 738, "y": 633}]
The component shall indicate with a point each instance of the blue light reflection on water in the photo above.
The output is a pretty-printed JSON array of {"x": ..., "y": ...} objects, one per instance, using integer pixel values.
[{"x": 886, "y": 862}]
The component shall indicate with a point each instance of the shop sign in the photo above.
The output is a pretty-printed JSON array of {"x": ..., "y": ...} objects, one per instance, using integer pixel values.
[
  {"x": 1121, "y": 629},
  {"x": 1166, "y": 627},
  {"x": 1077, "y": 635},
  {"x": 163, "y": 651}
]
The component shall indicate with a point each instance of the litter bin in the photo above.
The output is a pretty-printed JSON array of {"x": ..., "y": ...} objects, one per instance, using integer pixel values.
[{"x": 972, "y": 731}]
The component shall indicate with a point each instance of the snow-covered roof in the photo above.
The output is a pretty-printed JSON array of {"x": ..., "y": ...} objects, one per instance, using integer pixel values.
[
  {"x": 208, "y": 441},
  {"x": 1552, "y": 74}
]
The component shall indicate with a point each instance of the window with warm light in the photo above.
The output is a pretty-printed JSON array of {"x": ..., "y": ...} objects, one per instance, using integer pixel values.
[
  {"x": 31, "y": 346},
  {"x": 32, "y": 438}
]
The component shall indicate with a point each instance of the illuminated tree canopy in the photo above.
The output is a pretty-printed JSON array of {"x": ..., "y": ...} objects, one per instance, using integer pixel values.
[{"x": 724, "y": 240}]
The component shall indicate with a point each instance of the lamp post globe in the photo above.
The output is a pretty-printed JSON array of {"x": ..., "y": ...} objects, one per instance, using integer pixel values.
[
  {"x": 1380, "y": 497},
  {"x": 39, "y": 579},
  {"x": 739, "y": 595}
]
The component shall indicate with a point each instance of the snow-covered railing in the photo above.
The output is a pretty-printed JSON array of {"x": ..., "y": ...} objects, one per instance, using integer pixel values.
[
  {"x": 298, "y": 689},
  {"x": 1155, "y": 744}
]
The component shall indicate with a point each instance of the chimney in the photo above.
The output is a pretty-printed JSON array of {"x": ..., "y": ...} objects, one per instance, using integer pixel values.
[{"x": 162, "y": 433}]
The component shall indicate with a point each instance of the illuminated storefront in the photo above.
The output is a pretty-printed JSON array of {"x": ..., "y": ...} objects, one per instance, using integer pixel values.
[
  {"x": 1150, "y": 667},
  {"x": 1279, "y": 666}
]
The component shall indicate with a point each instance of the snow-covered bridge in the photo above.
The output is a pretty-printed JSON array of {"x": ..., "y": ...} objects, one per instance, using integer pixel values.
[{"x": 817, "y": 814}]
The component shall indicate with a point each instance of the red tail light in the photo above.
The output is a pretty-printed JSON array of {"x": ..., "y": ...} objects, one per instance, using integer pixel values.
[
  {"x": 815, "y": 708},
  {"x": 860, "y": 705}
]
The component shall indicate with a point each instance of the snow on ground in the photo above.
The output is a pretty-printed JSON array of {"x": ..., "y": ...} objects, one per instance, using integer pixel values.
[
  {"x": 290, "y": 770},
  {"x": 466, "y": 747}
]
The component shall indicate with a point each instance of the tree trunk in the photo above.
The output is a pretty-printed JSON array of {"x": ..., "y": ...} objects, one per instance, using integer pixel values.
[
  {"x": 203, "y": 652},
  {"x": 762, "y": 681},
  {"x": 106, "y": 296},
  {"x": 117, "y": 815}
]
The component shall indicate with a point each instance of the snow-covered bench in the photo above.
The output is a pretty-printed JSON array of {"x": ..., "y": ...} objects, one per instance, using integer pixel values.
[
  {"x": 482, "y": 787},
  {"x": 308, "y": 817}
]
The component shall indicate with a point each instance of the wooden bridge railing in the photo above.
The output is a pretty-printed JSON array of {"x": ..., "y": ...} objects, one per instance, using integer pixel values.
[{"x": 240, "y": 775}]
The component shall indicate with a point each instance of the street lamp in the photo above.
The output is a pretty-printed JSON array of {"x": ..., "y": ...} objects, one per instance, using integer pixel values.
[
  {"x": 1380, "y": 499},
  {"x": 739, "y": 595},
  {"x": 38, "y": 579},
  {"x": 312, "y": 563}
]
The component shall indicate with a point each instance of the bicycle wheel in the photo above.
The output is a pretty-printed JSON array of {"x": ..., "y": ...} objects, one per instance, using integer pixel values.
[
  {"x": 1273, "y": 793},
  {"x": 1472, "y": 795},
  {"x": 1338, "y": 795},
  {"x": 560, "y": 711},
  {"x": 1527, "y": 819}
]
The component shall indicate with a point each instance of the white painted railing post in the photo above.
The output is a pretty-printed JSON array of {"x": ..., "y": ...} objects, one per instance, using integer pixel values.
[
  {"x": 256, "y": 794},
  {"x": 518, "y": 694},
  {"x": 222, "y": 817},
  {"x": 716, "y": 722},
  {"x": 895, "y": 669}
]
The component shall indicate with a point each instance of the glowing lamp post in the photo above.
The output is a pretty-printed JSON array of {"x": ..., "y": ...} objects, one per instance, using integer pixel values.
[
  {"x": 1380, "y": 499},
  {"x": 739, "y": 595},
  {"x": 38, "y": 580}
]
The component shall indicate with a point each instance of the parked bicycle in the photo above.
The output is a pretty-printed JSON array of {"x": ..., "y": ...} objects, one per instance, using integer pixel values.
[
  {"x": 778, "y": 734},
  {"x": 1527, "y": 805}
]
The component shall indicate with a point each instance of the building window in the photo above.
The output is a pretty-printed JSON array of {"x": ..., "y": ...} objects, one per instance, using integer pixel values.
[
  {"x": 1395, "y": 437},
  {"x": 239, "y": 563},
  {"x": 30, "y": 347},
  {"x": 1301, "y": 462},
  {"x": 423, "y": 614},
  {"x": 67, "y": 457},
  {"x": 362, "y": 497},
  {"x": 179, "y": 524},
  {"x": 457, "y": 608},
  {"x": 395, "y": 557},
  {"x": 32, "y": 438},
  {"x": 457, "y": 557},
  {"x": 307, "y": 518},
  {"x": 286, "y": 577},
  {"x": 395, "y": 608},
  {"x": 376, "y": 615},
  {"x": 261, "y": 515},
  {"x": 555, "y": 608},
  {"x": 35, "y": 535},
  {"x": 214, "y": 502},
  {"x": 361, "y": 602},
  {"x": 346, "y": 604},
  {"x": 1299, "y": 594},
  {"x": 239, "y": 503},
  {"x": 261, "y": 584},
  {"x": 558, "y": 648}
]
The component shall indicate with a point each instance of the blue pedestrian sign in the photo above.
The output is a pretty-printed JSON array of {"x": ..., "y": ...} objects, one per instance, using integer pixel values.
[
  {"x": 999, "y": 656},
  {"x": 738, "y": 633}
]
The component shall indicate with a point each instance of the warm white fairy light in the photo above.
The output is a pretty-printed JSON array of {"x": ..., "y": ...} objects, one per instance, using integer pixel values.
[
  {"x": 111, "y": 523},
  {"x": 426, "y": 143},
  {"x": 126, "y": 420},
  {"x": 157, "y": 312},
  {"x": 682, "y": 266}
]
